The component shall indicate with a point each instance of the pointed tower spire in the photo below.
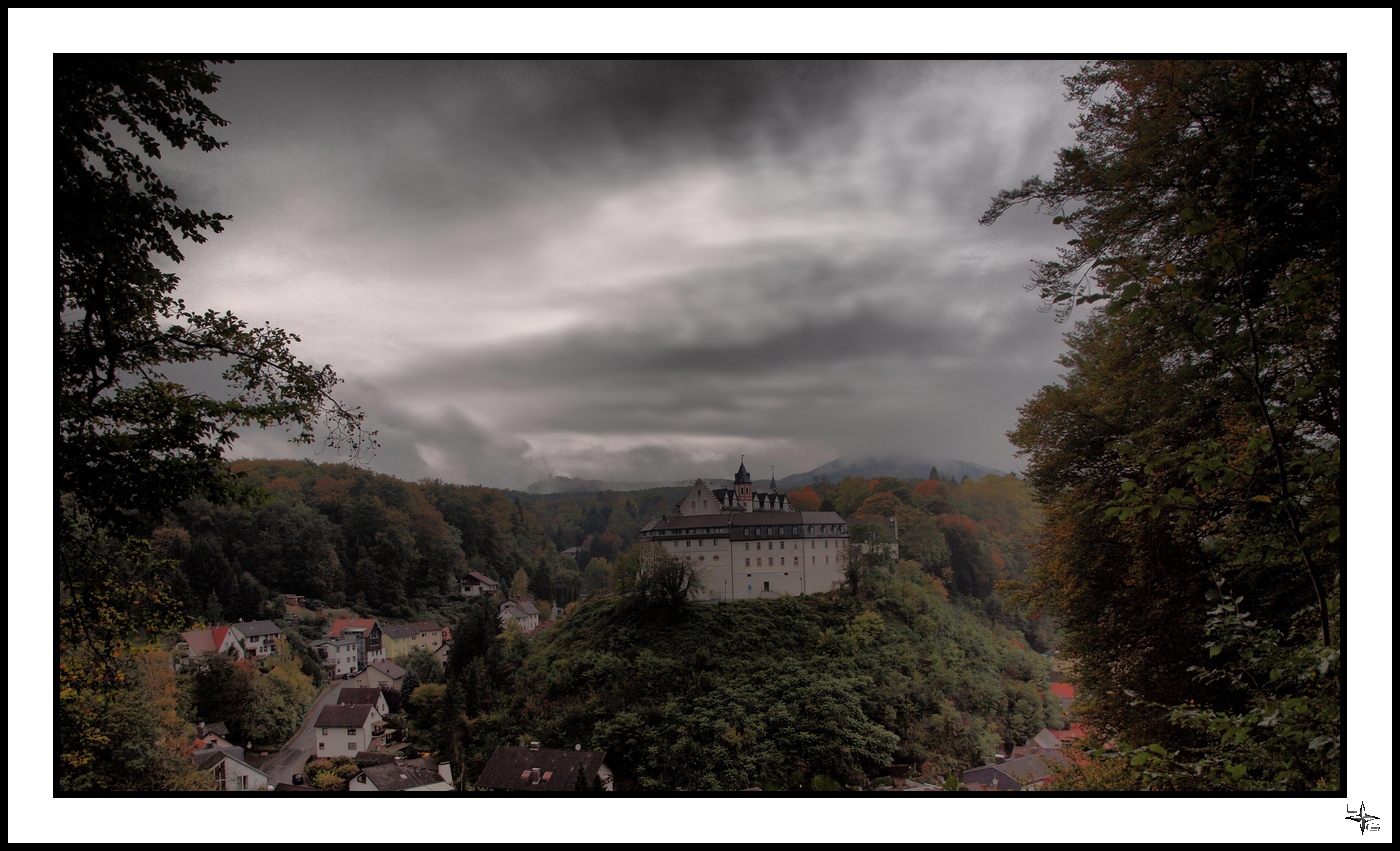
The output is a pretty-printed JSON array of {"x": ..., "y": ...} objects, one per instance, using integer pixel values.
[
  {"x": 772, "y": 480},
  {"x": 743, "y": 485}
]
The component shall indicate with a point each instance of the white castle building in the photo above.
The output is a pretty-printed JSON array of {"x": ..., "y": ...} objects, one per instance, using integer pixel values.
[{"x": 753, "y": 544}]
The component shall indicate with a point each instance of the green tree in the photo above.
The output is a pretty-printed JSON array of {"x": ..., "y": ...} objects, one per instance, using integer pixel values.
[
  {"x": 597, "y": 577},
  {"x": 426, "y": 666},
  {"x": 1193, "y": 457},
  {"x": 656, "y": 577},
  {"x": 868, "y": 548}
]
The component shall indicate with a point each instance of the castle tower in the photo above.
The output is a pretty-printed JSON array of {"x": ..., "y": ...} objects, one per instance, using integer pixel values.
[{"x": 743, "y": 486}]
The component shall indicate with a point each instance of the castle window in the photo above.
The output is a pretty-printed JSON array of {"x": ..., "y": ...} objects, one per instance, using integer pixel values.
[
  {"x": 687, "y": 542},
  {"x": 746, "y": 563},
  {"x": 765, "y": 586},
  {"x": 809, "y": 530},
  {"x": 782, "y": 545},
  {"x": 782, "y": 562},
  {"x": 770, "y": 561},
  {"x": 770, "y": 545},
  {"x": 692, "y": 503},
  {"x": 746, "y": 546},
  {"x": 770, "y": 530}
]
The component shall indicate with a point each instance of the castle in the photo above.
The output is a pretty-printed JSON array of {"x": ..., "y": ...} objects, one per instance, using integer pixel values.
[{"x": 752, "y": 544}]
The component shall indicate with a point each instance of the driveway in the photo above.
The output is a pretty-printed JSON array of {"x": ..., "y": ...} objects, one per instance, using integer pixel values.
[{"x": 289, "y": 760}]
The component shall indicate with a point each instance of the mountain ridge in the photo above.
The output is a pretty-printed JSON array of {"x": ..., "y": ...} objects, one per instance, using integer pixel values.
[{"x": 900, "y": 466}]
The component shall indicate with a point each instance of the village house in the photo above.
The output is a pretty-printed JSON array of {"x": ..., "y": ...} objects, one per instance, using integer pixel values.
[
  {"x": 229, "y": 770},
  {"x": 382, "y": 675},
  {"x": 1028, "y": 772},
  {"x": 343, "y": 730},
  {"x": 537, "y": 769},
  {"x": 257, "y": 638},
  {"x": 477, "y": 584},
  {"x": 418, "y": 775},
  {"x": 218, "y": 640},
  {"x": 429, "y": 635},
  {"x": 372, "y": 696},
  {"x": 1037, "y": 744},
  {"x": 365, "y": 632},
  {"x": 522, "y": 612},
  {"x": 399, "y": 640},
  {"x": 212, "y": 736},
  {"x": 341, "y": 656}
]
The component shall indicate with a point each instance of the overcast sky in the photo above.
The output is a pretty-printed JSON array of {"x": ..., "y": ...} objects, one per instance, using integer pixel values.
[{"x": 635, "y": 270}]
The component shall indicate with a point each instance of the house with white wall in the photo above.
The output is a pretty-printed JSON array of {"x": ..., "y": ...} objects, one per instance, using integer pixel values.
[
  {"x": 382, "y": 675},
  {"x": 476, "y": 584},
  {"x": 522, "y": 612},
  {"x": 229, "y": 770},
  {"x": 257, "y": 638},
  {"x": 345, "y": 730}
]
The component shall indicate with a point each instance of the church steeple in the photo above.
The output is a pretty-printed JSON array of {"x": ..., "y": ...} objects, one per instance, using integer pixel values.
[{"x": 772, "y": 481}]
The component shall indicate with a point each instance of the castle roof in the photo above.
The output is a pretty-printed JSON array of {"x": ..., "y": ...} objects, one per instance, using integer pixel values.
[{"x": 742, "y": 475}]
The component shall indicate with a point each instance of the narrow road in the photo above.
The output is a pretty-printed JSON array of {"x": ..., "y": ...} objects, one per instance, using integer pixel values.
[{"x": 289, "y": 761}]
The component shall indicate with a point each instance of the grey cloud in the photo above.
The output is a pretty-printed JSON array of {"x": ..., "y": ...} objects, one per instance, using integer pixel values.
[{"x": 534, "y": 264}]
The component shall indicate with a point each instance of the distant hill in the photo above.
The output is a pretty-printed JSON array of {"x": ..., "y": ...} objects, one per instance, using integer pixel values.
[
  {"x": 904, "y": 467},
  {"x": 564, "y": 484}
]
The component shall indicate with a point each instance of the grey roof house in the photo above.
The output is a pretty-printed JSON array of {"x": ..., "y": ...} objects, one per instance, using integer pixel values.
[{"x": 537, "y": 769}]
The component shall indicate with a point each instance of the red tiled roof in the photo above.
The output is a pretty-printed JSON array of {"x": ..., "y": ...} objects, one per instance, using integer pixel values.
[
  {"x": 200, "y": 641},
  {"x": 220, "y": 633},
  {"x": 1062, "y": 690}
]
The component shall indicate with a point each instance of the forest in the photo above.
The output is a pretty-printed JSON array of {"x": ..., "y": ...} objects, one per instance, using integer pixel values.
[{"x": 926, "y": 649}]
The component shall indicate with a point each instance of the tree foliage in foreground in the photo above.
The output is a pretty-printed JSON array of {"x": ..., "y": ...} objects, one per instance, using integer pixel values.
[
  {"x": 1191, "y": 463},
  {"x": 131, "y": 441}
]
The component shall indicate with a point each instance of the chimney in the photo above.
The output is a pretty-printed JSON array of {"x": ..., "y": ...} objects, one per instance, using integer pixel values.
[
  {"x": 1000, "y": 758},
  {"x": 534, "y": 746},
  {"x": 534, "y": 777}
]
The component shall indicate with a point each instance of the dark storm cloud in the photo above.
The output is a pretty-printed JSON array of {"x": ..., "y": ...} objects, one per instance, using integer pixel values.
[{"x": 616, "y": 266}]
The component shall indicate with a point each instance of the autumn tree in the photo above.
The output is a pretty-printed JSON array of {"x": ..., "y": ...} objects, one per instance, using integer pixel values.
[
  {"x": 130, "y": 737},
  {"x": 1191, "y": 464},
  {"x": 520, "y": 585}
]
